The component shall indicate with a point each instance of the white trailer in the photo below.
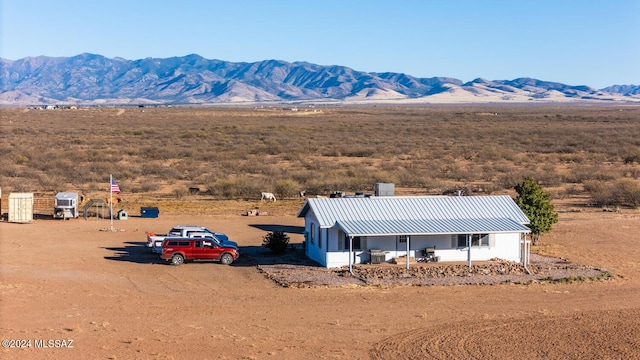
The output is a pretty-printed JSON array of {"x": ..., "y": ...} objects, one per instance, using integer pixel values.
[{"x": 66, "y": 206}]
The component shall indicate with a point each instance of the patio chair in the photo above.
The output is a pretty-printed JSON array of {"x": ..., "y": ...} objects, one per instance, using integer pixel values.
[
  {"x": 429, "y": 254},
  {"x": 426, "y": 255}
]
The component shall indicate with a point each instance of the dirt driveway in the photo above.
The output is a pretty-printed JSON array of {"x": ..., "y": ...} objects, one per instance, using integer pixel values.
[{"x": 68, "y": 280}]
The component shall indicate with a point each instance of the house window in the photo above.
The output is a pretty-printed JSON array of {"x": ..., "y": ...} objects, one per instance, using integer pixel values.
[
  {"x": 357, "y": 243},
  {"x": 476, "y": 240},
  {"x": 402, "y": 238},
  {"x": 313, "y": 233}
]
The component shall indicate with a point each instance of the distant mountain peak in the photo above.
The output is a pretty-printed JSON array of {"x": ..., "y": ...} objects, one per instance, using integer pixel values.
[{"x": 191, "y": 79}]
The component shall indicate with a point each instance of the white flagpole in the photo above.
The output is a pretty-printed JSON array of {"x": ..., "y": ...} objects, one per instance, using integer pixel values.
[{"x": 111, "y": 200}]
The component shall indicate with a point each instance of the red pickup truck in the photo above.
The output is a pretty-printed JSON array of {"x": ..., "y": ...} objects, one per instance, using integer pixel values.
[{"x": 179, "y": 250}]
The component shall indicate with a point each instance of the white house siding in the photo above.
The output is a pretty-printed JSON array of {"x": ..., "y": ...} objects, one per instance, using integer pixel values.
[
  {"x": 333, "y": 242},
  {"x": 386, "y": 243},
  {"x": 338, "y": 254},
  {"x": 338, "y": 259},
  {"x": 394, "y": 248},
  {"x": 441, "y": 242},
  {"x": 314, "y": 252},
  {"x": 505, "y": 246},
  {"x": 508, "y": 247}
]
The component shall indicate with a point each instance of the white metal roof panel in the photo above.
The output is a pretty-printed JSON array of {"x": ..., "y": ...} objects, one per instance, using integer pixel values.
[
  {"x": 429, "y": 226},
  {"x": 402, "y": 208}
]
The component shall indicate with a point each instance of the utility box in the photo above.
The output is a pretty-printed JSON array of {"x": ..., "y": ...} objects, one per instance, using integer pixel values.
[
  {"x": 66, "y": 206},
  {"x": 149, "y": 212},
  {"x": 20, "y": 207},
  {"x": 385, "y": 189}
]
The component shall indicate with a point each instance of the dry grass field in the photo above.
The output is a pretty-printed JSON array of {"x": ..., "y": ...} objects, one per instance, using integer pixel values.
[
  {"x": 70, "y": 280},
  {"x": 230, "y": 153}
]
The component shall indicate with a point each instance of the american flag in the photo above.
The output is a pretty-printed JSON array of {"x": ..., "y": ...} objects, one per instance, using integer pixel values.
[{"x": 114, "y": 186}]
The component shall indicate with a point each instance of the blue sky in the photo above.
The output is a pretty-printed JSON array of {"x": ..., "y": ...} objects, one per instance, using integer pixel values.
[{"x": 576, "y": 42}]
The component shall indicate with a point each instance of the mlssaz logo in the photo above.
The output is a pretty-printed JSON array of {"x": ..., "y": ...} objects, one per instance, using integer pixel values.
[{"x": 56, "y": 344}]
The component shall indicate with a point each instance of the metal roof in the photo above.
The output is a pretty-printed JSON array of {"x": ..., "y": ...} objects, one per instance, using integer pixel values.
[
  {"x": 418, "y": 214},
  {"x": 66, "y": 195},
  {"x": 429, "y": 227}
]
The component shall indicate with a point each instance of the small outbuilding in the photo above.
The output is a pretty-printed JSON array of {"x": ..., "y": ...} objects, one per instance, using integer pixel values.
[
  {"x": 20, "y": 207},
  {"x": 354, "y": 230},
  {"x": 66, "y": 205}
]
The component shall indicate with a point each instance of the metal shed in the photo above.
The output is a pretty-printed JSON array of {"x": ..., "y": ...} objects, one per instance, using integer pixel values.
[{"x": 20, "y": 207}]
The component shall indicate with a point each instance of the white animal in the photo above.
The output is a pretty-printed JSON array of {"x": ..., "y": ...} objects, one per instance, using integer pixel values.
[{"x": 268, "y": 196}]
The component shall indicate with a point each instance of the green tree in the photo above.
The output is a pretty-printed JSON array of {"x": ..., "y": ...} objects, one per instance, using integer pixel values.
[
  {"x": 276, "y": 241},
  {"x": 536, "y": 204}
]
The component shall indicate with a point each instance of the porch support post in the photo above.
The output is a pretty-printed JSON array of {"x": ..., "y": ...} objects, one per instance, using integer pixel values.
[
  {"x": 526, "y": 251},
  {"x": 469, "y": 250},
  {"x": 350, "y": 254},
  {"x": 408, "y": 247},
  {"x": 523, "y": 238}
]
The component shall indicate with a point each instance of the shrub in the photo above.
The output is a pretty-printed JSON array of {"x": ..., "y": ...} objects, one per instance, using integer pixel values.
[
  {"x": 286, "y": 188},
  {"x": 627, "y": 192},
  {"x": 179, "y": 193},
  {"x": 147, "y": 186},
  {"x": 631, "y": 155},
  {"x": 276, "y": 241},
  {"x": 509, "y": 180},
  {"x": 21, "y": 159},
  {"x": 601, "y": 194},
  {"x": 235, "y": 187}
]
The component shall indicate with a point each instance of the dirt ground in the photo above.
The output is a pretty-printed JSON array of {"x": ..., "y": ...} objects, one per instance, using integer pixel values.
[{"x": 70, "y": 280}]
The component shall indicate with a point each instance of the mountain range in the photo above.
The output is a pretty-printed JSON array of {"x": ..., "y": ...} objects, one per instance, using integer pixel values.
[{"x": 89, "y": 79}]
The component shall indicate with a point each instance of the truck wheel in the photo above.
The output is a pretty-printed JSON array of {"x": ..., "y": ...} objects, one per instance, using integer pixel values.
[
  {"x": 177, "y": 259},
  {"x": 226, "y": 259}
]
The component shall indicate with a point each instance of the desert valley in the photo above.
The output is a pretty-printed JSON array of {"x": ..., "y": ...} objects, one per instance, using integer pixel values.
[{"x": 101, "y": 288}]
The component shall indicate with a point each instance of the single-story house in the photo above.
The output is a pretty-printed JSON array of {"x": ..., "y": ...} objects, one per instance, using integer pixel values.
[{"x": 346, "y": 231}]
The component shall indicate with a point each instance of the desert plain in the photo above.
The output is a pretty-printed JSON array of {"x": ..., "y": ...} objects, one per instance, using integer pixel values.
[{"x": 103, "y": 290}]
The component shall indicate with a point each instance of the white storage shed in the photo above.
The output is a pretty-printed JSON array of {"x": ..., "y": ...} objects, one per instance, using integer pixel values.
[{"x": 20, "y": 207}]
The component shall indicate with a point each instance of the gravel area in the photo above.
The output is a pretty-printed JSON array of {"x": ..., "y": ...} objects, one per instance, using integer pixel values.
[{"x": 292, "y": 269}]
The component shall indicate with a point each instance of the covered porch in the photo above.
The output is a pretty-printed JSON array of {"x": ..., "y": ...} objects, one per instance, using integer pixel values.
[{"x": 467, "y": 240}]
